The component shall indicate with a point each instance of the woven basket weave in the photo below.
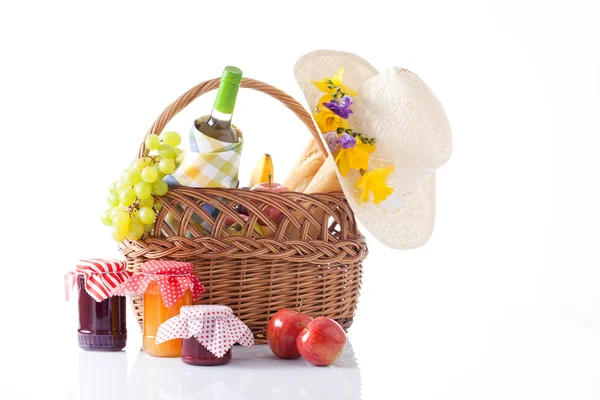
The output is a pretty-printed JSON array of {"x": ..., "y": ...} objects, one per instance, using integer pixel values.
[{"x": 311, "y": 260}]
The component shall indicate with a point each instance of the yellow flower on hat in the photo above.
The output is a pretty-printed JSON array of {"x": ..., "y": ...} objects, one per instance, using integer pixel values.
[
  {"x": 356, "y": 157},
  {"x": 330, "y": 85},
  {"x": 336, "y": 81},
  {"x": 328, "y": 121},
  {"x": 375, "y": 182}
]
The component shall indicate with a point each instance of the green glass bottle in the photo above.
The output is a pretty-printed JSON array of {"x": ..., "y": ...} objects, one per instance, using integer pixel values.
[{"x": 218, "y": 126}]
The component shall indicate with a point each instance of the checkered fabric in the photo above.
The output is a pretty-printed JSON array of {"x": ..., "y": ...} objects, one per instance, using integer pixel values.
[{"x": 208, "y": 163}]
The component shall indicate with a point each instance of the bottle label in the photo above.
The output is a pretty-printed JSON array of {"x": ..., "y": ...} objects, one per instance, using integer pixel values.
[{"x": 211, "y": 163}]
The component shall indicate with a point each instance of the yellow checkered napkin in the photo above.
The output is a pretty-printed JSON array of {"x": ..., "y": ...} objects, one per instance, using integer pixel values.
[{"x": 208, "y": 163}]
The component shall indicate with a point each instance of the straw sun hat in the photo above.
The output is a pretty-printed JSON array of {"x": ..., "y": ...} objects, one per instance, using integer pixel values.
[{"x": 411, "y": 132}]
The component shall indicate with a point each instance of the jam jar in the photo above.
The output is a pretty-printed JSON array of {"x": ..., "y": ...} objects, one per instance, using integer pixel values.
[
  {"x": 166, "y": 286},
  {"x": 208, "y": 333},
  {"x": 194, "y": 353},
  {"x": 102, "y": 316},
  {"x": 155, "y": 313}
]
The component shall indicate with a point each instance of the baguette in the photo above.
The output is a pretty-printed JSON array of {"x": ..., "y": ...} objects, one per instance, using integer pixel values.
[
  {"x": 306, "y": 167},
  {"x": 325, "y": 180}
]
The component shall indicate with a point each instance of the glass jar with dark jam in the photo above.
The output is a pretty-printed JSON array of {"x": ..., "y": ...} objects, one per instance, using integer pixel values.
[
  {"x": 208, "y": 333},
  {"x": 102, "y": 317},
  {"x": 194, "y": 353}
]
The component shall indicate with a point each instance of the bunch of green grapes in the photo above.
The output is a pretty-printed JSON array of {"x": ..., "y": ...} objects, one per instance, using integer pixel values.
[{"x": 132, "y": 198}]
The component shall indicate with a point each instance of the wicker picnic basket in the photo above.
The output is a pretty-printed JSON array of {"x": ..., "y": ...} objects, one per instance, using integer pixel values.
[{"x": 311, "y": 260}]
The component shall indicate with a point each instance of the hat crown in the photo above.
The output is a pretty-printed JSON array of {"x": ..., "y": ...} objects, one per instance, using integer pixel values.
[{"x": 408, "y": 123}]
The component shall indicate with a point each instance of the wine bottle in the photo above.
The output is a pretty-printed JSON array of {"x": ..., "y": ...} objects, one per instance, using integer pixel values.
[{"x": 218, "y": 126}]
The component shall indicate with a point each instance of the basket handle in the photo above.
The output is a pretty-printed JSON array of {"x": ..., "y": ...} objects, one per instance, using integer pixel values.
[{"x": 185, "y": 99}]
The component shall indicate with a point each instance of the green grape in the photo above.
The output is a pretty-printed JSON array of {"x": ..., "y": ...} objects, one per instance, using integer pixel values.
[
  {"x": 160, "y": 188},
  {"x": 140, "y": 163},
  {"x": 143, "y": 190},
  {"x": 113, "y": 187},
  {"x": 166, "y": 165},
  {"x": 121, "y": 219},
  {"x": 120, "y": 186},
  {"x": 133, "y": 237},
  {"x": 148, "y": 202},
  {"x": 131, "y": 176},
  {"x": 152, "y": 142},
  {"x": 161, "y": 175},
  {"x": 149, "y": 174},
  {"x": 166, "y": 151},
  {"x": 127, "y": 197},
  {"x": 179, "y": 159},
  {"x": 178, "y": 151},
  {"x": 106, "y": 220},
  {"x": 119, "y": 233},
  {"x": 171, "y": 138},
  {"x": 113, "y": 200},
  {"x": 148, "y": 228},
  {"x": 147, "y": 215},
  {"x": 115, "y": 211},
  {"x": 136, "y": 229}
]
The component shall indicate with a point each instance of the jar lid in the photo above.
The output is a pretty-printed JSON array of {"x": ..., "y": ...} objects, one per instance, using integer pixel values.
[
  {"x": 102, "y": 276},
  {"x": 200, "y": 312},
  {"x": 101, "y": 265},
  {"x": 174, "y": 278},
  {"x": 214, "y": 326},
  {"x": 167, "y": 267}
]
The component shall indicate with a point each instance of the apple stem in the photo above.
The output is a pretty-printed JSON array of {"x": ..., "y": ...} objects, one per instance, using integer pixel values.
[
  {"x": 270, "y": 180},
  {"x": 302, "y": 325}
]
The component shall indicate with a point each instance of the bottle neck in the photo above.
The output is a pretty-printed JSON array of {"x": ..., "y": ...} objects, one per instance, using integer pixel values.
[
  {"x": 226, "y": 96},
  {"x": 218, "y": 118}
]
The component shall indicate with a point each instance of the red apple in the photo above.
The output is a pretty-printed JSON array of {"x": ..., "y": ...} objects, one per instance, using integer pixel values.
[
  {"x": 283, "y": 330},
  {"x": 229, "y": 220},
  {"x": 321, "y": 342},
  {"x": 272, "y": 212},
  {"x": 271, "y": 187}
]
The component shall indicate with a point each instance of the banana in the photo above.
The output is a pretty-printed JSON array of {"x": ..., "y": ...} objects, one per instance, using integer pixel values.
[{"x": 263, "y": 171}]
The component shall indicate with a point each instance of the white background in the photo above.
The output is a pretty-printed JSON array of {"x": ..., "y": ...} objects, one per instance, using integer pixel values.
[{"x": 504, "y": 300}]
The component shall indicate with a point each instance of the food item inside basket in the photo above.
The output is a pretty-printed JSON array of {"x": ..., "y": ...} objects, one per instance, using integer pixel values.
[
  {"x": 326, "y": 179},
  {"x": 271, "y": 211},
  {"x": 263, "y": 171},
  {"x": 218, "y": 126},
  {"x": 305, "y": 169},
  {"x": 132, "y": 209}
]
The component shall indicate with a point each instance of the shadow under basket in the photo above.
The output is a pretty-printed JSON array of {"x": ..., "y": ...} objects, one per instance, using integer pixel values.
[{"x": 295, "y": 250}]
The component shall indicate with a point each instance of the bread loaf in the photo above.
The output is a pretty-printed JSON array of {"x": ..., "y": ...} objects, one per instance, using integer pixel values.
[
  {"x": 325, "y": 180},
  {"x": 305, "y": 169}
]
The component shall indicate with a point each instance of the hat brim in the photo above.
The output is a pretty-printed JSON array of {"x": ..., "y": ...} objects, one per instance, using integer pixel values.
[{"x": 403, "y": 221}]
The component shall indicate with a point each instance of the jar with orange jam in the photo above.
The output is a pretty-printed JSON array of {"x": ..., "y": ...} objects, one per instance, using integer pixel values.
[{"x": 166, "y": 287}]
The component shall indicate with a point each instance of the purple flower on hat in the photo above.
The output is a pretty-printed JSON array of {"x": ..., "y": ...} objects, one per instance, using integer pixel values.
[
  {"x": 342, "y": 109},
  {"x": 347, "y": 141},
  {"x": 346, "y": 101},
  {"x": 332, "y": 141}
]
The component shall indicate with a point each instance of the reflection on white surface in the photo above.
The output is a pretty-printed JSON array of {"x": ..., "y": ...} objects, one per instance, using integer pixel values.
[
  {"x": 102, "y": 375},
  {"x": 254, "y": 373}
]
